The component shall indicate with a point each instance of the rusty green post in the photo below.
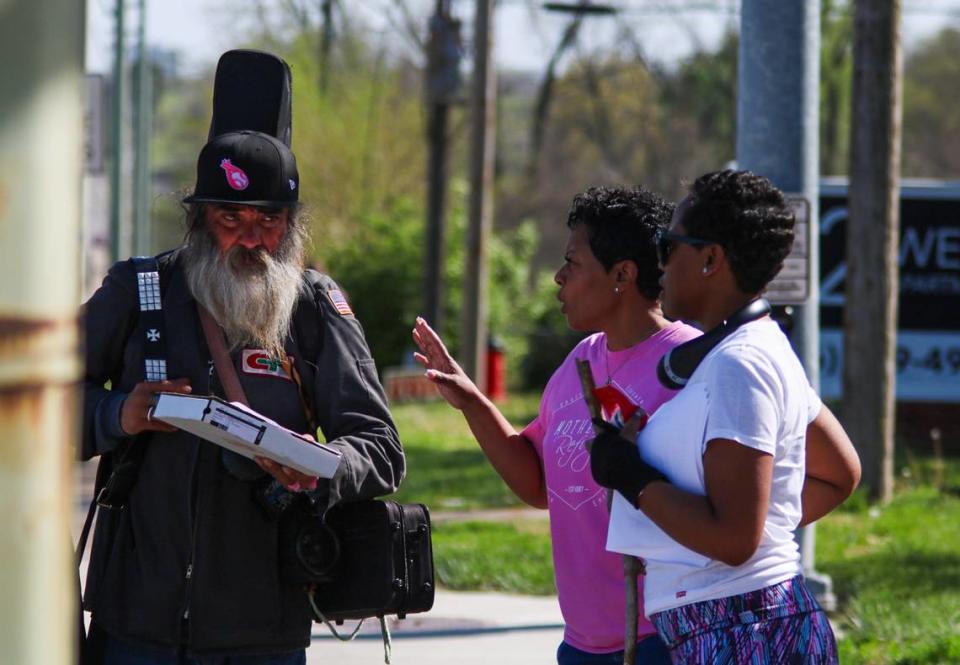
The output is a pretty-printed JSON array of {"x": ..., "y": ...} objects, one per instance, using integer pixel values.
[{"x": 41, "y": 62}]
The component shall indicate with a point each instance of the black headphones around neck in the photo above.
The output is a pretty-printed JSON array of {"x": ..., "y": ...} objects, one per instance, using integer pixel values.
[{"x": 678, "y": 364}]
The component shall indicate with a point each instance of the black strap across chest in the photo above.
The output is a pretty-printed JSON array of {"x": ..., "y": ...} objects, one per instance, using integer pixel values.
[
  {"x": 117, "y": 473},
  {"x": 150, "y": 324}
]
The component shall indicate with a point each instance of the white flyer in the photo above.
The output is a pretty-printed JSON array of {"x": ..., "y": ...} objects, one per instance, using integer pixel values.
[{"x": 239, "y": 428}]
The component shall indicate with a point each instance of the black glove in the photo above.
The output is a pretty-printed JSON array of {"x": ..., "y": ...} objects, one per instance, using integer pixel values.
[{"x": 616, "y": 463}]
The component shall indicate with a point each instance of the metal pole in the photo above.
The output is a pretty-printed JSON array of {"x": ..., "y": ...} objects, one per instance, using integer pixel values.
[
  {"x": 483, "y": 113},
  {"x": 116, "y": 168},
  {"x": 143, "y": 194},
  {"x": 326, "y": 42},
  {"x": 438, "y": 109},
  {"x": 777, "y": 136},
  {"x": 41, "y": 117},
  {"x": 436, "y": 201}
]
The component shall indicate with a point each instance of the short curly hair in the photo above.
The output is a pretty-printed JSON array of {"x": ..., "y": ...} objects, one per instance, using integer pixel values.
[
  {"x": 622, "y": 224},
  {"x": 746, "y": 215}
]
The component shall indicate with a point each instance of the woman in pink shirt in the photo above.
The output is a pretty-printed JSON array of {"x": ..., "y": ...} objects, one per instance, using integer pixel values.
[{"x": 610, "y": 285}]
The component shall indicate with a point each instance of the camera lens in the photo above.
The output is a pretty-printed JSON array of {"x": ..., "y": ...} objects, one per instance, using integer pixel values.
[{"x": 317, "y": 549}]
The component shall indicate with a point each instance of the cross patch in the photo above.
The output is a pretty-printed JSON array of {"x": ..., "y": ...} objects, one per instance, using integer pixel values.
[
  {"x": 258, "y": 361},
  {"x": 153, "y": 335}
]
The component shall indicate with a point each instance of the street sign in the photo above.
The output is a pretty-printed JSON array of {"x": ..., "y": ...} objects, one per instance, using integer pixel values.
[{"x": 791, "y": 286}]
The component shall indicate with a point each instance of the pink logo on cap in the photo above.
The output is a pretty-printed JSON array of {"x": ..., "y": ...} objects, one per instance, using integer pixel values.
[{"x": 236, "y": 178}]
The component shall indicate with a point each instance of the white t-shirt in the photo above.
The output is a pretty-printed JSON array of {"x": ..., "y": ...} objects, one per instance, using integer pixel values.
[{"x": 751, "y": 388}]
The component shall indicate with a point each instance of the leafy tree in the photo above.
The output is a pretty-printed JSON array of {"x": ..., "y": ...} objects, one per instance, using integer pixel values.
[
  {"x": 931, "y": 121},
  {"x": 836, "y": 77},
  {"x": 704, "y": 89},
  {"x": 181, "y": 123},
  {"x": 615, "y": 120},
  {"x": 380, "y": 266}
]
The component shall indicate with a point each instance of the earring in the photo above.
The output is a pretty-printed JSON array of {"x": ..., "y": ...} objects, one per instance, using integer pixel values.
[
  {"x": 616, "y": 290},
  {"x": 706, "y": 269}
]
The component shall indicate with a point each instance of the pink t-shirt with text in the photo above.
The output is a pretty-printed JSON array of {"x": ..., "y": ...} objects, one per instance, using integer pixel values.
[{"x": 589, "y": 578}]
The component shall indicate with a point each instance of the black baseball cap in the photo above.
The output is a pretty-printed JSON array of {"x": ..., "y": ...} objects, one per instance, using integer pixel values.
[{"x": 246, "y": 167}]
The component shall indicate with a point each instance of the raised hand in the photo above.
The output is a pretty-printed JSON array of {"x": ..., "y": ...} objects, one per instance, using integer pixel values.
[
  {"x": 454, "y": 384},
  {"x": 137, "y": 410}
]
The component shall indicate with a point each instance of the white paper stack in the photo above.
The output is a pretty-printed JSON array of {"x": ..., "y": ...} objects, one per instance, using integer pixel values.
[{"x": 245, "y": 432}]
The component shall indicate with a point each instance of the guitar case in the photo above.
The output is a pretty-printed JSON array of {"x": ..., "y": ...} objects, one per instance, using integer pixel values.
[{"x": 252, "y": 90}]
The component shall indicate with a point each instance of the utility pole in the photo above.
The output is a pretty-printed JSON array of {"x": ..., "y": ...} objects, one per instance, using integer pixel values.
[
  {"x": 442, "y": 88},
  {"x": 482, "y": 142},
  {"x": 143, "y": 116},
  {"x": 41, "y": 118},
  {"x": 778, "y": 137},
  {"x": 873, "y": 232},
  {"x": 326, "y": 43},
  {"x": 116, "y": 167}
]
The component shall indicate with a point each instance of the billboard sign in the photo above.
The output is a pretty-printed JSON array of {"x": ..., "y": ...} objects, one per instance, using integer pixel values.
[{"x": 928, "y": 334}]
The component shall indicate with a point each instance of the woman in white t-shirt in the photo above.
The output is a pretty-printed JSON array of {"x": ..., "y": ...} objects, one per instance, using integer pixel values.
[{"x": 724, "y": 473}]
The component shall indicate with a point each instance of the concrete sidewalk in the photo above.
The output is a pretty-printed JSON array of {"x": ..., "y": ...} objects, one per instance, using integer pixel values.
[{"x": 467, "y": 628}]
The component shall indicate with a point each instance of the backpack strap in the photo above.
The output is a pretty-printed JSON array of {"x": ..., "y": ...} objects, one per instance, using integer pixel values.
[
  {"x": 117, "y": 472},
  {"x": 150, "y": 324}
]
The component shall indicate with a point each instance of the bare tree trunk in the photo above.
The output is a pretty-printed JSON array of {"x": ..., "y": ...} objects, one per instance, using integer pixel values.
[
  {"x": 541, "y": 110},
  {"x": 870, "y": 317},
  {"x": 326, "y": 43},
  {"x": 483, "y": 107}
]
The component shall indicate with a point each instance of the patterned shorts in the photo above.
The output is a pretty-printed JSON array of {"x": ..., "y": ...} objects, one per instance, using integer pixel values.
[{"x": 780, "y": 624}]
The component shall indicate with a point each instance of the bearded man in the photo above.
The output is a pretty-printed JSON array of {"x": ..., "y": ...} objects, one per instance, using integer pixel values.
[{"x": 189, "y": 568}]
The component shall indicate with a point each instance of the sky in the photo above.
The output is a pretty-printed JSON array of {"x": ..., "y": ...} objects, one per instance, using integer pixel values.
[{"x": 525, "y": 34}]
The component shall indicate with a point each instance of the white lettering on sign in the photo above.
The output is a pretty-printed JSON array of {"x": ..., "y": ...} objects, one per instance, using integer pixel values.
[
  {"x": 928, "y": 365},
  {"x": 941, "y": 244},
  {"x": 919, "y": 249},
  {"x": 932, "y": 248},
  {"x": 948, "y": 248}
]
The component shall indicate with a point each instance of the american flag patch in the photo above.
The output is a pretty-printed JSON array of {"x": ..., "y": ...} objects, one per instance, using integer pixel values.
[{"x": 339, "y": 302}]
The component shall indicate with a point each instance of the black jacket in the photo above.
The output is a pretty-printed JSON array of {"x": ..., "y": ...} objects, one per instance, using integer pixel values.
[{"x": 193, "y": 559}]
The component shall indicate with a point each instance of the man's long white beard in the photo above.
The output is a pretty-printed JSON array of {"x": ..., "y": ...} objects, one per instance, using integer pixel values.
[{"x": 250, "y": 293}]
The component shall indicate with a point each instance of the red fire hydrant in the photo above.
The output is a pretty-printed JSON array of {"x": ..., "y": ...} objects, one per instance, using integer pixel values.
[{"x": 496, "y": 370}]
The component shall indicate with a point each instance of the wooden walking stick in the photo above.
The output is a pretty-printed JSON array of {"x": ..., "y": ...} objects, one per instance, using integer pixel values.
[{"x": 631, "y": 564}]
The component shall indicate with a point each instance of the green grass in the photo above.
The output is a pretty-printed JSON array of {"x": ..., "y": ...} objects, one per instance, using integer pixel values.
[
  {"x": 895, "y": 569},
  {"x": 490, "y": 556},
  {"x": 445, "y": 467},
  {"x": 896, "y": 573}
]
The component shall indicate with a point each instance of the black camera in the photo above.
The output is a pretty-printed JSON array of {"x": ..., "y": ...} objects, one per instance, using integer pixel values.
[{"x": 309, "y": 547}]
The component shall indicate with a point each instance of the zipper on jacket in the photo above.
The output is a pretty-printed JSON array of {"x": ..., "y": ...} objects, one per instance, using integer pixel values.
[{"x": 188, "y": 573}]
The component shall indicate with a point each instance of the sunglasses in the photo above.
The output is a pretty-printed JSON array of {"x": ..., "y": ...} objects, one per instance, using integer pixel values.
[{"x": 665, "y": 242}]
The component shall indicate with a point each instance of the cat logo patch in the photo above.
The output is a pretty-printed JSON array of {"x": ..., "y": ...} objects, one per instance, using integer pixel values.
[
  {"x": 339, "y": 302},
  {"x": 257, "y": 361}
]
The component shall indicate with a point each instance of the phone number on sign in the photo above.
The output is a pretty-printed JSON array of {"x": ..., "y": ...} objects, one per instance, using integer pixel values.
[
  {"x": 936, "y": 359},
  {"x": 928, "y": 364},
  {"x": 940, "y": 360}
]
